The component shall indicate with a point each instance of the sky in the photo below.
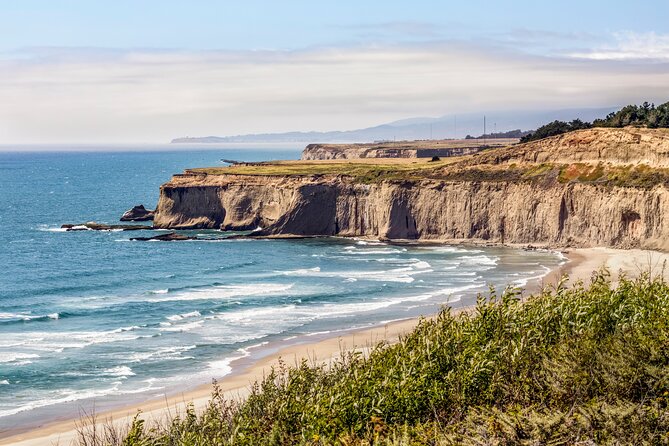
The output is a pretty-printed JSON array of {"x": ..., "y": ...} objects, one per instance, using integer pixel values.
[{"x": 94, "y": 71}]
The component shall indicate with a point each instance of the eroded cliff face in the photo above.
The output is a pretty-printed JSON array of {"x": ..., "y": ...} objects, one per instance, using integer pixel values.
[
  {"x": 532, "y": 193},
  {"x": 616, "y": 146},
  {"x": 556, "y": 214}
]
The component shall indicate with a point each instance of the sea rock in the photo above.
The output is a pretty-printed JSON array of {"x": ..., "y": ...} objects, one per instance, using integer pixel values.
[
  {"x": 93, "y": 226},
  {"x": 138, "y": 213},
  {"x": 169, "y": 237}
]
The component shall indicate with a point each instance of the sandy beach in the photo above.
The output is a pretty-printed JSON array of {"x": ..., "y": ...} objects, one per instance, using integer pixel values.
[{"x": 580, "y": 266}]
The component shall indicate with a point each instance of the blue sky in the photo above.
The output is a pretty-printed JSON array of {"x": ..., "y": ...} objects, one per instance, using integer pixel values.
[
  {"x": 254, "y": 24},
  {"x": 123, "y": 71}
]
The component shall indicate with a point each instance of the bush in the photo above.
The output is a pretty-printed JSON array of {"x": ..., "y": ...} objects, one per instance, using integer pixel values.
[
  {"x": 555, "y": 128},
  {"x": 579, "y": 365},
  {"x": 644, "y": 115}
]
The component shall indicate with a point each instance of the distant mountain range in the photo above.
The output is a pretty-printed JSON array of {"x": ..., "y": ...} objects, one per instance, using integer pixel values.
[{"x": 444, "y": 127}]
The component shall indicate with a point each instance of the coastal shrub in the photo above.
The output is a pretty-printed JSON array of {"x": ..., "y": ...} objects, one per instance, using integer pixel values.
[
  {"x": 555, "y": 128},
  {"x": 644, "y": 115},
  {"x": 579, "y": 365}
]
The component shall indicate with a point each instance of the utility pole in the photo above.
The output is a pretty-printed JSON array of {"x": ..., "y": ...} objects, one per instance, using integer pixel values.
[{"x": 484, "y": 130}]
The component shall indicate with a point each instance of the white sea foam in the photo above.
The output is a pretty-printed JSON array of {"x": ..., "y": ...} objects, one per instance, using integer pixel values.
[
  {"x": 301, "y": 272},
  {"x": 369, "y": 242},
  {"x": 4, "y": 382},
  {"x": 400, "y": 275},
  {"x": 183, "y": 327},
  {"x": 58, "y": 341},
  {"x": 61, "y": 396},
  {"x": 225, "y": 292},
  {"x": 162, "y": 291},
  {"x": 163, "y": 353},
  {"x": 223, "y": 366},
  {"x": 46, "y": 228},
  {"x": 124, "y": 329},
  {"x": 449, "y": 249},
  {"x": 120, "y": 371},
  {"x": 525, "y": 280},
  {"x": 254, "y": 314},
  {"x": 68, "y": 395},
  {"x": 292, "y": 315},
  {"x": 26, "y": 316},
  {"x": 421, "y": 264},
  {"x": 479, "y": 260},
  {"x": 17, "y": 357},
  {"x": 13, "y": 316},
  {"x": 178, "y": 317},
  {"x": 377, "y": 251}
]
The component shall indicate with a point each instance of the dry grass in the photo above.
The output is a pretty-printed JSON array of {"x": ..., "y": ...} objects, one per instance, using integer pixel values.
[{"x": 365, "y": 170}]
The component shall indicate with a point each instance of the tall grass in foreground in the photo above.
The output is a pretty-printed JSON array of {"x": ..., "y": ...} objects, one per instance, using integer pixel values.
[{"x": 567, "y": 366}]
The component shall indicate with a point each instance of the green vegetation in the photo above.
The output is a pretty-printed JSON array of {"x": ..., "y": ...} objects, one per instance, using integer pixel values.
[
  {"x": 364, "y": 172},
  {"x": 555, "y": 128},
  {"x": 640, "y": 176},
  {"x": 510, "y": 134},
  {"x": 568, "y": 366},
  {"x": 644, "y": 115}
]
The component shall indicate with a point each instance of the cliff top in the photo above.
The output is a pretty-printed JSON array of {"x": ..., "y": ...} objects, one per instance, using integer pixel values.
[
  {"x": 619, "y": 146},
  {"x": 363, "y": 168},
  {"x": 619, "y": 156}
]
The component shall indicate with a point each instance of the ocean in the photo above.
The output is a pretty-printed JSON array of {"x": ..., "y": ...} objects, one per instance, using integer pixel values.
[{"x": 94, "y": 317}]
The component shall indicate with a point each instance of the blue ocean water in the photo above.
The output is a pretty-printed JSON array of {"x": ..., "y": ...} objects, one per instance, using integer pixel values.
[{"x": 93, "y": 316}]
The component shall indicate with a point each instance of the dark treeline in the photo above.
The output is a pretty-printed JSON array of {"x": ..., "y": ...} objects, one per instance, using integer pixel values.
[
  {"x": 510, "y": 134},
  {"x": 644, "y": 115}
]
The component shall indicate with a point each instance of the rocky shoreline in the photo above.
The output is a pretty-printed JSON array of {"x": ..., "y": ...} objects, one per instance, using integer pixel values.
[{"x": 597, "y": 187}]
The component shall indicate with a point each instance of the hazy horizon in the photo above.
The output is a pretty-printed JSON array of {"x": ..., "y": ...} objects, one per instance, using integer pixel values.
[{"x": 93, "y": 73}]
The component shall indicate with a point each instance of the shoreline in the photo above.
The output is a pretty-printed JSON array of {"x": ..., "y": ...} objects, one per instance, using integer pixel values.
[{"x": 579, "y": 266}]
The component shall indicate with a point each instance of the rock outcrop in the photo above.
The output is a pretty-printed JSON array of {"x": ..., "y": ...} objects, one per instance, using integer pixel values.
[
  {"x": 93, "y": 226},
  {"x": 450, "y": 203},
  {"x": 169, "y": 237},
  {"x": 138, "y": 213}
]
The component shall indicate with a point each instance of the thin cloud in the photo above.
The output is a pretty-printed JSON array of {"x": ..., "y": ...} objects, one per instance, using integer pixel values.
[
  {"x": 56, "y": 95},
  {"x": 631, "y": 46}
]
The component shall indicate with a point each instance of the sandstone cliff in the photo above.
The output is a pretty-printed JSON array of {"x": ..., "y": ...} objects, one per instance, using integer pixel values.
[
  {"x": 556, "y": 192},
  {"x": 401, "y": 149}
]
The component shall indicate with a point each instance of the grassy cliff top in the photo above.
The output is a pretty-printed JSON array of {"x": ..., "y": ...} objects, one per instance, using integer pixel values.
[
  {"x": 358, "y": 168},
  {"x": 619, "y": 157}
]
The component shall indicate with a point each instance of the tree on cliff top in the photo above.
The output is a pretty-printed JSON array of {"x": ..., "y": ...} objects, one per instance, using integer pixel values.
[
  {"x": 644, "y": 115},
  {"x": 555, "y": 128}
]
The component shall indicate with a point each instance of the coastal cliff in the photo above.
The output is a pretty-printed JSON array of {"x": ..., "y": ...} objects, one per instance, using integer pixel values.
[
  {"x": 402, "y": 149},
  {"x": 567, "y": 197}
]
